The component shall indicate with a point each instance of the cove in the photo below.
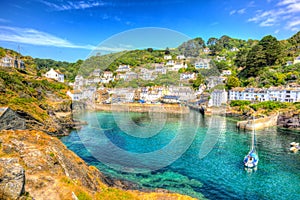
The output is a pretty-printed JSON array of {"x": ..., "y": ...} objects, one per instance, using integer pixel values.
[{"x": 203, "y": 157}]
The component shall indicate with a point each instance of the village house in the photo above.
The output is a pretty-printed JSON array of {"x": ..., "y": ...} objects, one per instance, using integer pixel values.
[
  {"x": 108, "y": 75},
  {"x": 167, "y": 57},
  {"x": 170, "y": 99},
  {"x": 123, "y": 68},
  {"x": 146, "y": 74},
  {"x": 281, "y": 94},
  {"x": 220, "y": 58},
  {"x": 96, "y": 72},
  {"x": 75, "y": 95},
  {"x": 180, "y": 57},
  {"x": 102, "y": 96},
  {"x": 218, "y": 98},
  {"x": 226, "y": 73},
  {"x": 213, "y": 81},
  {"x": 160, "y": 68},
  {"x": 56, "y": 75},
  {"x": 129, "y": 76},
  {"x": 233, "y": 49},
  {"x": 296, "y": 60},
  {"x": 170, "y": 63},
  {"x": 7, "y": 61},
  {"x": 289, "y": 63},
  {"x": 183, "y": 93},
  {"x": 203, "y": 64},
  {"x": 177, "y": 66},
  {"x": 206, "y": 50},
  {"x": 123, "y": 95},
  {"x": 187, "y": 76}
]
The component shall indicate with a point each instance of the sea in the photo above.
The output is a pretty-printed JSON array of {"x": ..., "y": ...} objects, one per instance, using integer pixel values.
[{"x": 191, "y": 154}]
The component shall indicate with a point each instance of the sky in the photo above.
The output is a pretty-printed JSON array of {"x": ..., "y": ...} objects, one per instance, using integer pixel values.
[{"x": 69, "y": 30}]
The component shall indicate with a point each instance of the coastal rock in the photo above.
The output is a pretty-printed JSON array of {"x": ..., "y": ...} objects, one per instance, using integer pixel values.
[
  {"x": 12, "y": 178},
  {"x": 258, "y": 124},
  {"x": 54, "y": 172},
  {"x": 289, "y": 120}
]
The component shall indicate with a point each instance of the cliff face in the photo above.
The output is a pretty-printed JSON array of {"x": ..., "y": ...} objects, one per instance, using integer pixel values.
[{"x": 36, "y": 165}]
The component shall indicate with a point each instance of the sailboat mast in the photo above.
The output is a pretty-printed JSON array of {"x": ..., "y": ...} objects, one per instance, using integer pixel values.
[{"x": 253, "y": 134}]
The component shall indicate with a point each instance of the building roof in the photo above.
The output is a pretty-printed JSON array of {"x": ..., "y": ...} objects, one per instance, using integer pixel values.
[
  {"x": 170, "y": 97},
  {"x": 3, "y": 110}
]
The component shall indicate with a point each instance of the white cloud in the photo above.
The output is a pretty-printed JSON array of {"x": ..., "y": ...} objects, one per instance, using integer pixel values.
[
  {"x": 4, "y": 20},
  {"x": 241, "y": 11},
  {"x": 282, "y": 14},
  {"x": 73, "y": 5},
  {"x": 232, "y": 12},
  {"x": 293, "y": 24},
  {"x": 35, "y": 37}
]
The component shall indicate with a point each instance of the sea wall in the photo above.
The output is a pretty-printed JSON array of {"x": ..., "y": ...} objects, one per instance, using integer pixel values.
[
  {"x": 135, "y": 107},
  {"x": 258, "y": 124}
]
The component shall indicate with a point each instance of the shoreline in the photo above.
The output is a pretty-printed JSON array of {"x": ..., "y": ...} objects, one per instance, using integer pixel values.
[{"x": 136, "y": 107}]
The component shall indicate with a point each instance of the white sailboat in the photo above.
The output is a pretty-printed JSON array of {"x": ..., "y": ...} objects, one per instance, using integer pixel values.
[{"x": 251, "y": 159}]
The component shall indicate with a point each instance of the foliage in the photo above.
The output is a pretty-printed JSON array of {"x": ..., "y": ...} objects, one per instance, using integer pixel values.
[
  {"x": 269, "y": 105},
  {"x": 192, "y": 48},
  {"x": 233, "y": 81},
  {"x": 239, "y": 103},
  {"x": 199, "y": 80}
]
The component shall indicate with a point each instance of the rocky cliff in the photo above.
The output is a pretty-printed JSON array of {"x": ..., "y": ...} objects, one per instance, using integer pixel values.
[{"x": 34, "y": 165}]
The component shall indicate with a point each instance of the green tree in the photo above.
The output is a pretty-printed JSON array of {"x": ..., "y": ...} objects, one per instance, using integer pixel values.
[
  {"x": 233, "y": 81},
  {"x": 199, "y": 80},
  {"x": 271, "y": 49}
]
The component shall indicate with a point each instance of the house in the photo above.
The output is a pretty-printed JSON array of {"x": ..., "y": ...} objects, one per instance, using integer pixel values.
[
  {"x": 183, "y": 93},
  {"x": 171, "y": 99},
  {"x": 123, "y": 95},
  {"x": 177, "y": 66},
  {"x": 102, "y": 96},
  {"x": 226, "y": 73},
  {"x": 56, "y": 75},
  {"x": 282, "y": 94},
  {"x": 233, "y": 49},
  {"x": 75, "y": 95},
  {"x": 220, "y": 58},
  {"x": 170, "y": 63},
  {"x": 147, "y": 74},
  {"x": 218, "y": 98},
  {"x": 96, "y": 72},
  {"x": 296, "y": 60},
  {"x": 213, "y": 81},
  {"x": 7, "y": 61},
  {"x": 167, "y": 57},
  {"x": 160, "y": 68},
  {"x": 11, "y": 120},
  {"x": 180, "y": 57},
  {"x": 289, "y": 63},
  {"x": 123, "y": 68},
  {"x": 187, "y": 76},
  {"x": 129, "y": 76},
  {"x": 206, "y": 50},
  {"x": 108, "y": 75},
  {"x": 203, "y": 64}
]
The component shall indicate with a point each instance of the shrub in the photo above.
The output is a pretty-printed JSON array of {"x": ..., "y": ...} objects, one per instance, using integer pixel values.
[{"x": 239, "y": 103}]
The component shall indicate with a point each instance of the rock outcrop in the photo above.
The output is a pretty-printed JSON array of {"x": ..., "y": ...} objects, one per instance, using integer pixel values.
[
  {"x": 12, "y": 178},
  {"x": 258, "y": 124},
  {"x": 54, "y": 172},
  {"x": 289, "y": 120}
]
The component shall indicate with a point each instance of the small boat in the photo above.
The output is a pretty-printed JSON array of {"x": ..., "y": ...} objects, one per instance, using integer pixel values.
[
  {"x": 251, "y": 159},
  {"x": 294, "y": 147}
]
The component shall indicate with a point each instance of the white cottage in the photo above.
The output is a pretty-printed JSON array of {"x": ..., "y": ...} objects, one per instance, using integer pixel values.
[{"x": 56, "y": 75}]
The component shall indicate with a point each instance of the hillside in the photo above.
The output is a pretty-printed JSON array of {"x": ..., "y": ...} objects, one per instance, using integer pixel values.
[{"x": 37, "y": 99}]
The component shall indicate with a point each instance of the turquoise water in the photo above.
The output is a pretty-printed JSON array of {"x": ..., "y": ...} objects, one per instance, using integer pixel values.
[{"x": 190, "y": 154}]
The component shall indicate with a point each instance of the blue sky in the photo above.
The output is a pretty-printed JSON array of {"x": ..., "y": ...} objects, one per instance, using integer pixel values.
[{"x": 70, "y": 30}]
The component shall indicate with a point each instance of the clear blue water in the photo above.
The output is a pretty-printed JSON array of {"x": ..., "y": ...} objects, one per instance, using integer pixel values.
[{"x": 180, "y": 164}]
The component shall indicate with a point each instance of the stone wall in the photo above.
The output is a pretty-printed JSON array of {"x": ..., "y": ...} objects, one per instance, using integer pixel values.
[{"x": 258, "y": 124}]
